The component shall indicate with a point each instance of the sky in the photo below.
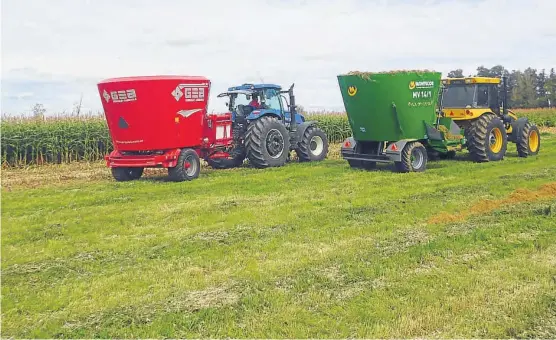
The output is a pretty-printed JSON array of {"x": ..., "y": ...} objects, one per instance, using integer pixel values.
[{"x": 55, "y": 52}]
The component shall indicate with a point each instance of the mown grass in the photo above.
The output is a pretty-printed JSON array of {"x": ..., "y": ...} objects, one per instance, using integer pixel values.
[{"x": 306, "y": 250}]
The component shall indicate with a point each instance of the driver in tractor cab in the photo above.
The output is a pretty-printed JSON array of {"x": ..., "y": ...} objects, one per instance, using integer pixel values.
[{"x": 254, "y": 102}]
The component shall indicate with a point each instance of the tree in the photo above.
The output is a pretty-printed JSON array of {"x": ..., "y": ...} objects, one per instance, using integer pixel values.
[
  {"x": 497, "y": 71},
  {"x": 540, "y": 88},
  {"x": 456, "y": 73},
  {"x": 550, "y": 88},
  {"x": 483, "y": 71},
  {"x": 525, "y": 94},
  {"x": 38, "y": 111}
]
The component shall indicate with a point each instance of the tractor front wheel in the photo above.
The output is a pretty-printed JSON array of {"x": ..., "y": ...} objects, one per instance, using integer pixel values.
[
  {"x": 313, "y": 146},
  {"x": 267, "y": 143},
  {"x": 414, "y": 158},
  {"x": 488, "y": 139},
  {"x": 126, "y": 174},
  {"x": 528, "y": 141},
  {"x": 188, "y": 167}
]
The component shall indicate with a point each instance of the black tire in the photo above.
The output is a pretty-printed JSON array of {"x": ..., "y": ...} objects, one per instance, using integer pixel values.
[
  {"x": 126, "y": 174},
  {"x": 237, "y": 158},
  {"x": 267, "y": 143},
  {"x": 488, "y": 140},
  {"x": 313, "y": 146},
  {"x": 529, "y": 134},
  {"x": 357, "y": 164},
  {"x": 187, "y": 168},
  {"x": 414, "y": 158}
]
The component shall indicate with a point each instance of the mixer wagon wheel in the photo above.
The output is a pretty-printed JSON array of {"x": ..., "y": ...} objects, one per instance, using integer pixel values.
[
  {"x": 313, "y": 146},
  {"x": 267, "y": 143},
  {"x": 126, "y": 174},
  {"x": 528, "y": 141},
  {"x": 188, "y": 167},
  {"x": 414, "y": 158},
  {"x": 487, "y": 139}
]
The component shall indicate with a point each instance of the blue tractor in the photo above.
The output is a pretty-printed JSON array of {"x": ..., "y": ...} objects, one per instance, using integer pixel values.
[{"x": 263, "y": 129}]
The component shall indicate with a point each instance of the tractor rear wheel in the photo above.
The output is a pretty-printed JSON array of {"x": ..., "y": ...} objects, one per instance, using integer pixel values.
[
  {"x": 267, "y": 143},
  {"x": 126, "y": 174},
  {"x": 187, "y": 168},
  {"x": 488, "y": 139},
  {"x": 313, "y": 146},
  {"x": 528, "y": 141},
  {"x": 414, "y": 158}
]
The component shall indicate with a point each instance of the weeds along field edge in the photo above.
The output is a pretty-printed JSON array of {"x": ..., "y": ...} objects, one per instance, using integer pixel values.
[{"x": 64, "y": 138}]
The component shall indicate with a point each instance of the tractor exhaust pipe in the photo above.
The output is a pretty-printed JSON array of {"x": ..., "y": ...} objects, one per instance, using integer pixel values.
[
  {"x": 293, "y": 123},
  {"x": 505, "y": 96}
]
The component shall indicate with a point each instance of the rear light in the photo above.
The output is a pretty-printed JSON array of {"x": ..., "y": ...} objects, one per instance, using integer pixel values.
[{"x": 347, "y": 144}]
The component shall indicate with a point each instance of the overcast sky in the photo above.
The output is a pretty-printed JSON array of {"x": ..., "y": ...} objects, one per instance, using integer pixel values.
[{"x": 54, "y": 51}]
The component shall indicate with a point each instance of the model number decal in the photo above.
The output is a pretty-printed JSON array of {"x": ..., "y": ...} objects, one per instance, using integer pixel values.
[
  {"x": 120, "y": 96},
  {"x": 422, "y": 94}
]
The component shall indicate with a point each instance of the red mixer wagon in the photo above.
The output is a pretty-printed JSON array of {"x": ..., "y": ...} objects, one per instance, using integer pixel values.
[{"x": 162, "y": 122}]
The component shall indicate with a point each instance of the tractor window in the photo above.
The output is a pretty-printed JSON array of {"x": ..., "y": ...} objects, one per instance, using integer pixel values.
[
  {"x": 240, "y": 99},
  {"x": 272, "y": 99},
  {"x": 482, "y": 96},
  {"x": 458, "y": 96}
]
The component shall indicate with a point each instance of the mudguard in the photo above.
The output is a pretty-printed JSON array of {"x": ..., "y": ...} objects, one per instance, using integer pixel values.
[
  {"x": 517, "y": 127},
  {"x": 256, "y": 114},
  {"x": 301, "y": 128}
]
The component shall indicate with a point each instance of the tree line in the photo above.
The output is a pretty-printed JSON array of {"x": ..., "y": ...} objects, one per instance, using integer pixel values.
[{"x": 526, "y": 89}]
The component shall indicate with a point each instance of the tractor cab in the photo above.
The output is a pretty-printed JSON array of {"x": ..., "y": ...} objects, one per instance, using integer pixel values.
[
  {"x": 269, "y": 97},
  {"x": 468, "y": 98}
]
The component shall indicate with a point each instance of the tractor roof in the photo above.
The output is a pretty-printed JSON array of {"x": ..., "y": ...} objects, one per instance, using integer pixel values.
[
  {"x": 472, "y": 80},
  {"x": 255, "y": 87}
]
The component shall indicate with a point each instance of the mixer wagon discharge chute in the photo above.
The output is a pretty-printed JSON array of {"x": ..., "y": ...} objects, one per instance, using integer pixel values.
[{"x": 394, "y": 117}]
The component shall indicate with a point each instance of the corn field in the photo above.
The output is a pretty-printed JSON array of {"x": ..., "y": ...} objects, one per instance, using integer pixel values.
[
  {"x": 64, "y": 139},
  {"x": 54, "y": 140}
]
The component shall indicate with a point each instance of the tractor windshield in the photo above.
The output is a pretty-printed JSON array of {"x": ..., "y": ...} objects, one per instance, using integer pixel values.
[
  {"x": 240, "y": 99},
  {"x": 475, "y": 96},
  {"x": 459, "y": 96}
]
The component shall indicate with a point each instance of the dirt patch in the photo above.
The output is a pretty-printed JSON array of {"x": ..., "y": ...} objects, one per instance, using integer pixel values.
[
  {"x": 356, "y": 288},
  {"x": 547, "y": 129},
  {"x": 520, "y": 195},
  {"x": 210, "y": 297}
]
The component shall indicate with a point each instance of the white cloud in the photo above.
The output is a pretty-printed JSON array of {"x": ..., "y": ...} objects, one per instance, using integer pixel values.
[{"x": 63, "y": 47}]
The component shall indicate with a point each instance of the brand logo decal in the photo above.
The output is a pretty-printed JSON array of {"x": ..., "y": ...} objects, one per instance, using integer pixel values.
[
  {"x": 120, "y": 96},
  {"x": 425, "y": 84},
  {"x": 192, "y": 92},
  {"x": 352, "y": 90}
]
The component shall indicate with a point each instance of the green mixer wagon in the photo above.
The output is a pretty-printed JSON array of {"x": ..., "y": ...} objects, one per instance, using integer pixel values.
[{"x": 394, "y": 117}]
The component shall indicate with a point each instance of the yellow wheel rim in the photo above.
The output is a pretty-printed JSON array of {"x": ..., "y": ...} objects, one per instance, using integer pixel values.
[
  {"x": 496, "y": 140},
  {"x": 534, "y": 141}
]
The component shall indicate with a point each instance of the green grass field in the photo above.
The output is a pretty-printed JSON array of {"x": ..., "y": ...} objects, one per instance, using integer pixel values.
[{"x": 306, "y": 250}]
